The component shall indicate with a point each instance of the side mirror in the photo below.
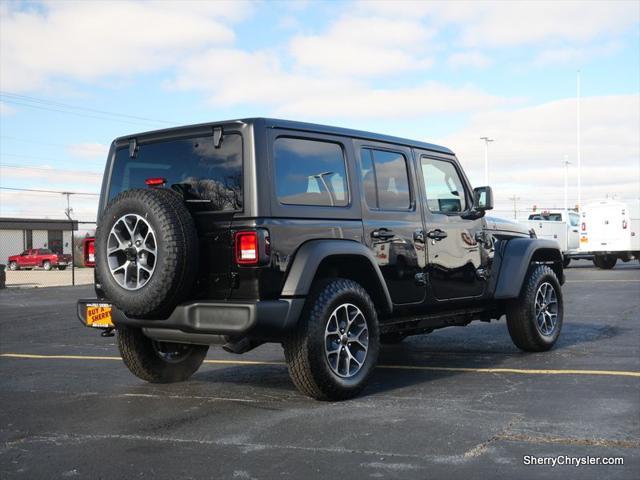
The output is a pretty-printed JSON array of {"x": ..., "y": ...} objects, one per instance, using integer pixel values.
[{"x": 482, "y": 199}]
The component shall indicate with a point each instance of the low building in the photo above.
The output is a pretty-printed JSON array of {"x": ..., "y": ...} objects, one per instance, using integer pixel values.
[{"x": 19, "y": 234}]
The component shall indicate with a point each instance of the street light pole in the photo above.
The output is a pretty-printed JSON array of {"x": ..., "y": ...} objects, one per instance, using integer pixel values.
[
  {"x": 566, "y": 164},
  {"x": 486, "y": 158},
  {"x": 515, "y": 206}
]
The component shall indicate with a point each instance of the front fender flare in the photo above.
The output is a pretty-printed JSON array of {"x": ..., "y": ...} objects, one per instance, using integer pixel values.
[
  {"x": 311, "y": 254},
  {"x": 516, "y": 258}
]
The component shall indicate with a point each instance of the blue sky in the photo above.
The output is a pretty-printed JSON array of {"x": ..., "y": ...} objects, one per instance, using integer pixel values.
[{"x": 446, "y": 72}]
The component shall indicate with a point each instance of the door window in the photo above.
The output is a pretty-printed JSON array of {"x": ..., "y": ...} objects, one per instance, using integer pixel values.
[
  {"x": 444, "y": 187},
  {"x": 385, "y": 179}
]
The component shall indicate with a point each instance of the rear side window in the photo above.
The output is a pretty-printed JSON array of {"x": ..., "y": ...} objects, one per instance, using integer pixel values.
[
  {"x": 310, "y": 172},
  {"x": 212, "y": 176},
  {"x": 385, "y": 179}
]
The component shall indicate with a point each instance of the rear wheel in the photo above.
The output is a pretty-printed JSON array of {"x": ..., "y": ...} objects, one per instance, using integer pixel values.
[
  {"x": 13, "y": 266},
  {"x": 605, "y": 262},
  {"x": 535, "y": 318},
  {"x": 46, "y": 265},
  {"x": 566, "y": 261},
  {"x": 158, "y": 362},
  {"x": 62, "y": 267},
  {"x": 335, "y": 347}
]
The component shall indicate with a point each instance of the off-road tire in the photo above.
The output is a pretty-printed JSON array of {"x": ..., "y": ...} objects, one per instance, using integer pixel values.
[
  {"x": 605, "y": 262},
  {"x": 46, "y": 265},
  {"x": 391, "y": 338},
  {"x": 305, "y": 350},
  {"x": 142, "y": 359},
  {"x": 177, "y": 252},
  {"x": 13, "y": 266},
  {"x": 521, "y": 316}
]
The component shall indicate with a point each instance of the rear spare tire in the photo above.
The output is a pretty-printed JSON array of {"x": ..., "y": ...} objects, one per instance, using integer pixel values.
[{"x": 146, "y": 252}]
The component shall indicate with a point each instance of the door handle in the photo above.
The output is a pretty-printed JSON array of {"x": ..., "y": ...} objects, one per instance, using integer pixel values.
[
  {"x": 437, "y": 234},
  {"x": 382, "y": 234}
]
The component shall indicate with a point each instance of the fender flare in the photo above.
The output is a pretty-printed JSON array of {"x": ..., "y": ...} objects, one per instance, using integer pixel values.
[
  {"x": 311, "y": 254},
  {"x": 516, "y": 258}
]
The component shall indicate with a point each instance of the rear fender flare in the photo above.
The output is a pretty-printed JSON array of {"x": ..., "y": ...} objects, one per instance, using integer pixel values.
[{"x": 311, "y": 254}]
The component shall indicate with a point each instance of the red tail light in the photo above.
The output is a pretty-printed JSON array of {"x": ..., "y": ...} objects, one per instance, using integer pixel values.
[
  {"x": 583, "y": 227},
  {"x": 247, "y": 252},
  {"x": 89, "y": 248},
  {"x": 155, "y": 181},
  {"x": 624, "y": 224}
]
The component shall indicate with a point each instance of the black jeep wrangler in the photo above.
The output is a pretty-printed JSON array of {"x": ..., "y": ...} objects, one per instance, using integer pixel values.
[{"x": 327, "y": 240}]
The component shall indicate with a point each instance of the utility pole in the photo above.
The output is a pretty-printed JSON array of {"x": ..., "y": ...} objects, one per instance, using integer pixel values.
[
  {"x": 566, "y": 164},
  {"x": 67, "y": 212},
  {"x": 486, "y": 158},
  {"x": 578, "y": 152},
  {"x": 515, "y": 206}
]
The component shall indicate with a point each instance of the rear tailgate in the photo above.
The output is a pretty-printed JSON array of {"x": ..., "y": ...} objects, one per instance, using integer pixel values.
[{"x": 209, "y": 177}]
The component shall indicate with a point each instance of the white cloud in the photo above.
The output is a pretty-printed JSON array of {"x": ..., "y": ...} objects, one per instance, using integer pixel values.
[
  {"x": 530, "y": 144},
  {"x": 6, "y": 109},
  {"x": 468, "y": 59},
  {"x": 42, "y": 205},
  {"x": 91, "y": 40},
  {"x": 572, "y": 55},
  {"x": 507, "y": 24},
  {"x": 88, "y": 150},
  {"x": 220, "y": 74},
  {"x": 65, "y": 179},
  {"x": 365, "y": 46}
]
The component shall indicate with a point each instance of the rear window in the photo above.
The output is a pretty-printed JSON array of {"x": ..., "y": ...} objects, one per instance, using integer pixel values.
[
  {"x": 310, "y": 172},
  {"x": 211, "y": 176}
]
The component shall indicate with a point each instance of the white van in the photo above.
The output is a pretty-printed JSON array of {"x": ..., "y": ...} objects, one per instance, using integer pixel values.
[{"x": 610, "y": 230}]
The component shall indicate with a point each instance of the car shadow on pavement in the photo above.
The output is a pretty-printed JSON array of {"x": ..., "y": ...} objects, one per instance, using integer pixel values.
[{"x": 408, "y": 363}]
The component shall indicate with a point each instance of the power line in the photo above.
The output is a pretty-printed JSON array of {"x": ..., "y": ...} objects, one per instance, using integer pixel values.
[
  {"x": 50, "y": 170},
  {"x": 26, "y": 98},
  {"x": 48, "y": 191}
]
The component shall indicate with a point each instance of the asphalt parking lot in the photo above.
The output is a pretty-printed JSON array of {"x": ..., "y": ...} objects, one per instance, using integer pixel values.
[{"x": 461, "y": 402}]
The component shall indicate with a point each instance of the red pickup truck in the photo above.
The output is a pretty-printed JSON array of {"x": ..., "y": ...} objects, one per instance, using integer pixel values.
[{"x": 39, "y": 257}]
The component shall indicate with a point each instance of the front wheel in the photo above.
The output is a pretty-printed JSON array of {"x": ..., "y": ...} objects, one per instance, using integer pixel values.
[
  {"x": 534, "y": 319},
  {"x": 13, "y": 266},
  {"x": 334, "y": 348},
  {"x": 46, "y": 265},
  {"x": 158, "y": 362}
]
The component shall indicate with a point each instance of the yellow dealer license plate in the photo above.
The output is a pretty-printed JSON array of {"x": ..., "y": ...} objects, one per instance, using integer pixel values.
[{"x": 99, "y": 315}]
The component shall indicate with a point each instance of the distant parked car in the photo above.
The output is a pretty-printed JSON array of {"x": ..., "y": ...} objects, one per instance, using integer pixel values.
[{"x": 39, "y": 257}]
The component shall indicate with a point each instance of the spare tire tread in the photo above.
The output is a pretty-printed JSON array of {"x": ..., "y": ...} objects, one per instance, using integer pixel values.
[{"x": 177, "y": 245}]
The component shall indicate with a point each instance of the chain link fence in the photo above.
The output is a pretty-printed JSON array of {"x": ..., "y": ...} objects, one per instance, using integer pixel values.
[{"x": 48, "y": 258}]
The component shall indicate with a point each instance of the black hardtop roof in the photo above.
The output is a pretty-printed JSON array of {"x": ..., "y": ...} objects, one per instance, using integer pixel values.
[{"x": 300, "y": 126}]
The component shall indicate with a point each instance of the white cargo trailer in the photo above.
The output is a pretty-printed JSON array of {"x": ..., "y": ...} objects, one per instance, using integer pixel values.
[{"x": 610, "y": 231}]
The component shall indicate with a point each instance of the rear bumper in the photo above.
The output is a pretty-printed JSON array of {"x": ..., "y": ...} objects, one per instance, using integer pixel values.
[{"x": 259, "y": 319}]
